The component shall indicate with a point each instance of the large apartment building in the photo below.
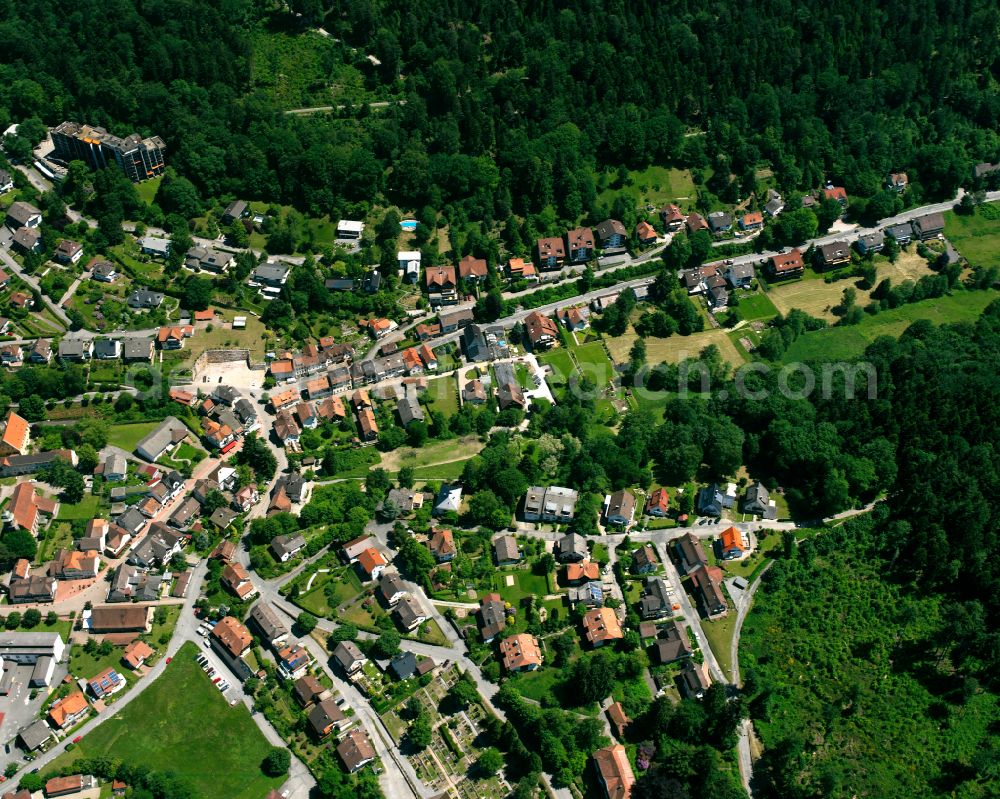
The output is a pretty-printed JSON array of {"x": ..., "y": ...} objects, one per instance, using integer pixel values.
[{"x": 138, "y": 158}]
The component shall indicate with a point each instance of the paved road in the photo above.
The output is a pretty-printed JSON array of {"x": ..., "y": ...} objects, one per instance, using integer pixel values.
[
  {"x": 185, "y": 631},
  {"x": 32, "y": 281}
]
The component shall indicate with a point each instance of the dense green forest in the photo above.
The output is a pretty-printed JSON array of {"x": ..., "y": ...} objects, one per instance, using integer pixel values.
[{"x": 518, "y": 108}]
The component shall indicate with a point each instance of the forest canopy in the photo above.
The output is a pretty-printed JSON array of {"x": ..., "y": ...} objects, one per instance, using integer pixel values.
[{"x": 511, "y": 109}]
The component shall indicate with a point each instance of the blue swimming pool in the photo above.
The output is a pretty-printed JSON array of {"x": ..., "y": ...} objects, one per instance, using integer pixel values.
[{"x": 409, "y": 225}]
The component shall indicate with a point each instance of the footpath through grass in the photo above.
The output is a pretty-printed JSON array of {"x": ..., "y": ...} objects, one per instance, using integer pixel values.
[{"x": 182, "y": 724}]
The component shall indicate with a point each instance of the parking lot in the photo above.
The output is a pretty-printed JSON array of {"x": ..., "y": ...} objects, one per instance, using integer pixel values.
[
  {"x": 18, "y": 708},
  {"x": 235, "y": 691}
]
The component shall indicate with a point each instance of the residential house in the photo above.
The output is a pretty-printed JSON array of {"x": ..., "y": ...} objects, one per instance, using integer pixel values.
[
  {"x": 673, "y": 643},
  {"x": 246, "y": 498},
  {"x": 571, "y": 548},
  {"x": 928, "y": 226},
  {"x": 871, "y": 242},
  {"x": 836, "y": 253},
  {"x": 583, "y": 572},
  {"x": 644, "y": 560},
  {"x": 614, "y": 771},
  {"x": 235, "y": 211},
  {"x": 391, "y": 588},
  {"x": 720, "y": 222},
  {"x": 6, "y": 181},
  {"x": 409, "y": 613},
  {"x": 11, "y": 355},
  {"x": 542, "y": 331},
  {"x": 480, "y": 343},
  {"x": 293, "y": 661},
  {"x": 428, "y": 357},
  {"x": 105, "y": 349},
  {"x": 371, "y": 563},
  {"x": 509, "y": 395},
  {"x": 897, "y": 182},
  {"x": 285, "y": 399},
  {"x": 505, "y": 550},
  {"x": 231, "y": 637},
  {"x": 620, "y": 508},
  {"x": 474, "y": 393},
  {"x": 136, "y": 654},
  {"x": 618, "y": 719},
  {"x": 356, "y": 750},
  {"x": 551, "y": 253},
  {"x": 711, "y": 500},
  {"x": 450, "y": 322},
  {"x": 519, "y": 269},
  {"x": 520, "y": 652},
  {"x": 442, "y": 287},
  {"x": 492, "y": 617},
  {"x": 740, "y": 275},
  {"x": 574, "y": 318},
  {"x": 550, "y": 504},
  {"x": 658, "y": 503},
  {"x": 442, "y": 545},
  {"x": 403, "y": 666},
  {"x": 367, "y": 424},
  {"x": 645, "y": 233},
  {"x": 695, "y": 222},
  {"x": 104, "y": 272},
  {"x": 590, "y": 595},
  {"x": 612, "y": 235},
  {"x": 32, "y": 737},
  {"x": 694, "y": 679},
  {"x": 774, "y": 206},
  {"x": 690, "y": 553},
  {"x": 351, "y": 551},
  {"x": 331, "y": 409},
  {"x": 269, "y": 623},
  {"x": 707, "y": 584},
  {"x": 347, "y": 655},
  {"x": 286, "y": 547},
  {"x": 156, "y": 246},
  {"x": 601, "y": 625},
  {"x": 473, "y": 269},
  {"x": 75, "y": 565},
  {"x": 372, "y": 282},
  {"x": 409, "y": 410},
  {"x": 269, "y": 277},
  {"x": 733, "y": 544},
  {"x": 448, "y": 500},
  {"x": 752, "y": 222},
  {"x": 68, "y": 252},
  {"x": 137, "y": 349},
  {"x": 18, "y": 465},
  {"x": 41, "y": 351},
  {"x": 77, "y": 350},
  {"x": 207, "y": 259},
  {"x": 786, "y": 265},
  {"x": 837, "y": 193},
  {"x": 16, "y": 438},
  {"x": 673, "y": 218},
  {"x": 902, "y": 233},
  {"x": 306, "y": 416},
  {"x": 325, "y": 717},
  {"x": 28, "y": 509},
  {"x": 236, "y": 579},
  {"x": 143, "y": 300},
  {"x": 131, "y": 584},
  {"x": 27, "y": 240},
  {"x": 66, "y": 712},
  {"x": 581, "y": 245},
  {"x": 428, "y": 330},
  {"x": 106, "y": 683},
  {"x": 409, "y": 264},
  {"x": 758, "y": 502},
  {"x": 655, "y": 600},
  {"x": 350, "y": 229},
  {"x": 22, "y": 214}
]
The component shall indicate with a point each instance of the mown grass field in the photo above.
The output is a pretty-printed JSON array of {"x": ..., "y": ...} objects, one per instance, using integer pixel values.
[
  {"x": 756, "y": 305},
  {"x": 676, "y": 348},
  {"x": 817, "y": 297},
  {"x": 655, "y": 185},
  {"x": 976, "y": 237},
  {"x": 164, "y": 729},
  {"x": 842, "y": 343},
  {"x": 594, "y": 362},
  {"x": 127, "y": 436}
]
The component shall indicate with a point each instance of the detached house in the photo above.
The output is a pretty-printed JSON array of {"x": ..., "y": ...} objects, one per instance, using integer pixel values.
[
  {"x": 473, "y": 269},
  {"x": 785, "y": 265},
  {"x": 236, "y": 579},
  {"x": 929, "y": 226},
  {"x": 733, "y": 544},
  {"x": 672, "y": 217},
  {"x": 551, "y": 253},
  {"x": 441, "y": 284},
  {"x": 612, "y": 236},
  {"x": 752, "y": 222},
  {"x": 68, "y": 252},
  {"x": 520, "y": 653},
  {"x": 620, "y": 508},
  {"x": 581, "y": 245},
  {"x": 22, "y": 214},
  {"x": 645, "y": 233},
  {"x": 600, "y": 626},
  {"x": 836, "y": 253},
  {"x": 541, "y": 330},
  {"x": 758, "y": 502}
]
